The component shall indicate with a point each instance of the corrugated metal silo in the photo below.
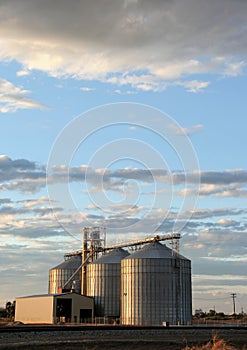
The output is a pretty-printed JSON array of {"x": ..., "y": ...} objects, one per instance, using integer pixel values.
[
  {"x": 60, "y": 274},
  {"x": 104, "y": 283},
  {"x": 156, "y": 287}
]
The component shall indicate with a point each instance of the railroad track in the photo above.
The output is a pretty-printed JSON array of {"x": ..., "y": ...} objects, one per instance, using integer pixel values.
[{"x": 78, "y": 328}]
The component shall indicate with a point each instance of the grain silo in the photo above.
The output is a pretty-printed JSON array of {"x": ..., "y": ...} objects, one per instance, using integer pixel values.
[
  {"x": 62, "y": 273},
  {"x": 104, "y": 283},
  {"x": 155, "y": 287}
]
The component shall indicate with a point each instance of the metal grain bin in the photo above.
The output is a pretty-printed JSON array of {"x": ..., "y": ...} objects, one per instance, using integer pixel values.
[
  {"x": 104, "y": 283},
  {"x": 155, "y": 287},
  {"x": 60, "y": 274}
]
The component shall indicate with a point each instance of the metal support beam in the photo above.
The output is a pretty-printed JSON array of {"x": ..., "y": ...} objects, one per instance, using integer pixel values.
[{"x": 174, "y": 237}]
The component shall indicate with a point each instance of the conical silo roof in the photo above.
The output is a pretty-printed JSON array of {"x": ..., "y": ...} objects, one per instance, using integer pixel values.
[
  {"x": 155, "y": 250},
  {"x": 73, "y": 263},
  {"x": 113, "y": 257}
]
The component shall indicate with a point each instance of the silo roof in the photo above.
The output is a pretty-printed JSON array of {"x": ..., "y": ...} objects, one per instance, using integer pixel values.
[
  {"x": 155, "y": 250},
  {"x": 70, "y": 264},
  {"x": 113, "y": 257}
]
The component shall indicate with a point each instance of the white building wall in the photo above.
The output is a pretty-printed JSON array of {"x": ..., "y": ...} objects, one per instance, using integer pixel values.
[
  {"x": 34, "y": 309},
  {"x": 42, "y": 308}
]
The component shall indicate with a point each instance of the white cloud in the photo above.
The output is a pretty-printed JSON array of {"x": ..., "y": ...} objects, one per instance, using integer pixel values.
[
  {"x": 193, "y": 85},
  {"x": 132, "y": 128},
  {"x": 227, "y": 223},
  {"x": 187, "y": 131},
  {"x": 147, "y": 46},
  {"x": 235, "y": 68},
  {"x": 233, "y": 189},
  {"x": 128, "y": 92},
  {"x": 86, "y": 89},
  {"x": 22, "y": 73},
  {"x": 13, "y": 98}
]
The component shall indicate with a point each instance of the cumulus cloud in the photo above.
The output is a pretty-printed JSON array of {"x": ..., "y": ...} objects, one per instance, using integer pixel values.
[
  {"x": 13, "y": 98},
  {"x": 145, "y": 45},
  {"x": 29, "y": 218},
  {"x": 223, "y": 243},
  {"x": 24, "y": 263}
]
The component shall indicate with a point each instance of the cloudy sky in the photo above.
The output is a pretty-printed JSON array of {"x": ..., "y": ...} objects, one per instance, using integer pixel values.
[{"x": 112, "y": 112}]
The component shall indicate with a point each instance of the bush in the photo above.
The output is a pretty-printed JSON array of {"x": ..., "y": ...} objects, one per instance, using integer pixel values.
[
  {"x": 3, "y": 313},
  {"x": 214, "y": 344}
]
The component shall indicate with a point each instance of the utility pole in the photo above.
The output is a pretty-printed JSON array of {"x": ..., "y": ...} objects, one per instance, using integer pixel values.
[{"x": 233, "y": 295}]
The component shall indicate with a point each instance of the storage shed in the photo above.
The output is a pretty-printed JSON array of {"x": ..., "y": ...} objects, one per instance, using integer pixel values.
[{"x": 54, "y": 308}]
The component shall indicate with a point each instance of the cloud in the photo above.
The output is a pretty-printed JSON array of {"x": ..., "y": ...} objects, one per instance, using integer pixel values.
[
  {"x": 237, "y": 189},
  {"x": 234, "y": 69},
  {"x": 225, "y": 177},
  {"x": 21, "y": 174},
  {"x": 29, "y": 218},
  {"x": 7, "y": 164},
  {"x": 24, "y": 265},
  {"x": 86, "y": 89},
  {"x": 13, "y": 98},
  {"x": 218, "y": 244},
  {"x": 187, "y": 131},
  {"x": 29, "y": 177},
  {"x": 147, "y": 46},
  {"x": 217, "y": 212},
  {"x": 33, "y": 217},
  {"x": 5, "y": 200},
  {"x": 32, "y": 240},
  {"x": 193, "y": 85},
  {"x": 132, "y": 128},
  {"x": 227, "y": 223},
  {"x": 22, "y": 73},
  {"x": 127, "y": 92}
]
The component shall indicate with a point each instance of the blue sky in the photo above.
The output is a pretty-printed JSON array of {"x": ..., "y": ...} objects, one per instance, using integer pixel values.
[{"x": 183, "y": 60}]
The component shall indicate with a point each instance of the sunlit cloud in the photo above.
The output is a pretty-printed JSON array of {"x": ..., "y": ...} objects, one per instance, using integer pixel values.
[
  {"x": 128, "y": 49},
  {"x": 13, "y": 98}
]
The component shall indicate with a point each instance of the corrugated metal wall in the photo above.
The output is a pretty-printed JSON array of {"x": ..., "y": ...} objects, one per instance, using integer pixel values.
[
  {"x": 103, "y": 283},
  {"x": 61, "y": 273},
  {"x": 155, "y": 290}
]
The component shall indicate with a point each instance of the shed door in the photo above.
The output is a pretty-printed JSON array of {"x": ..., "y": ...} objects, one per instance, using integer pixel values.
[
  {"x": 64, "y": 307},
  {"x": 85, "y": 315}
]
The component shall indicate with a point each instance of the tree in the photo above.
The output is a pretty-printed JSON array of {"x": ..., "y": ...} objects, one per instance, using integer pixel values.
[
  {"x": 10, "y": 309},
  {"x": 211, "y": 313},
  {"x": 3, "y": 313}
]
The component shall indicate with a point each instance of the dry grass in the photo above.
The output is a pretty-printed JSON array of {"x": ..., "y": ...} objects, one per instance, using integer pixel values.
[{"x": 214, "y": 344}]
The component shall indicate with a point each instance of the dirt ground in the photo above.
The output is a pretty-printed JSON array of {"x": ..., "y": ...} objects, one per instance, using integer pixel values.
[{"x": 66, "y": 338}]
